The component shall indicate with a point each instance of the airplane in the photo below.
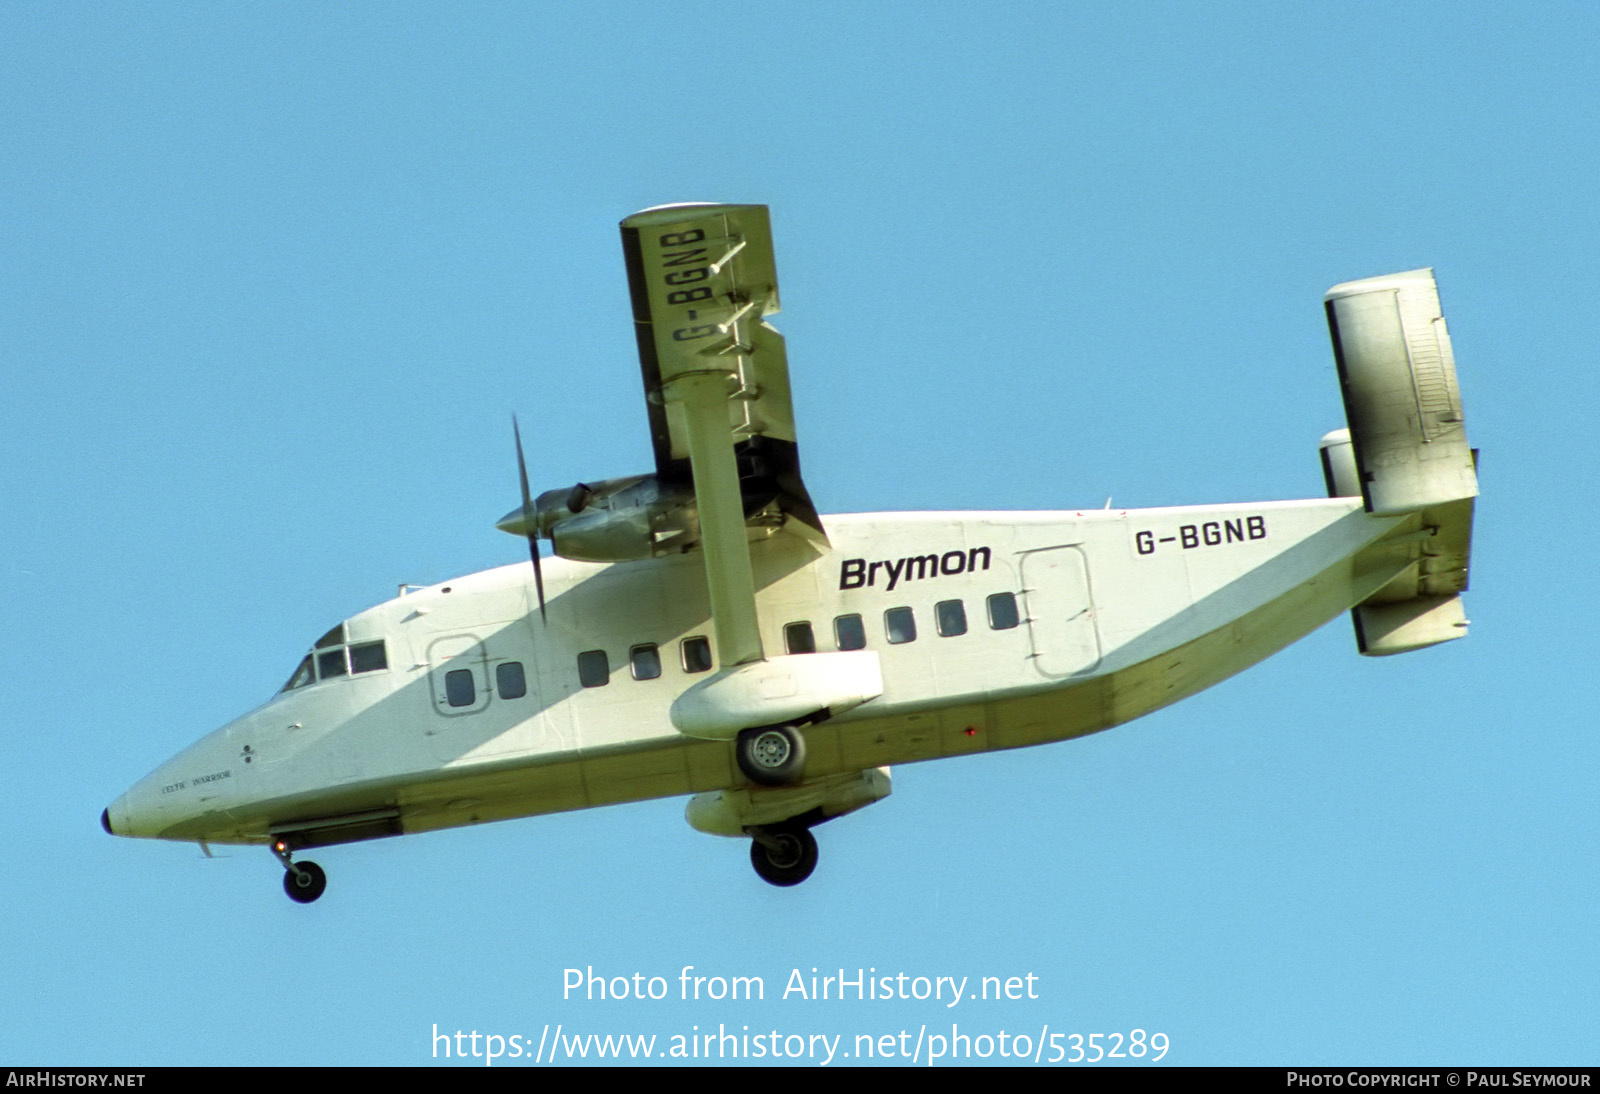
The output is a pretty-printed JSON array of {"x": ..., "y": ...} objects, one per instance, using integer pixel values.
[{"x": 701, "y": 630}]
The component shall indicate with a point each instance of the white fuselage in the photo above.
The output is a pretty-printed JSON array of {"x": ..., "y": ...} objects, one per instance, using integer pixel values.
[{"x": 1119, "y": 612}]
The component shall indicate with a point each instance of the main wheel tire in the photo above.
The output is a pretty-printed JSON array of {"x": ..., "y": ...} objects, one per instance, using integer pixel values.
[
  {"x": 791, "y": 862},
  {"x": 305, "y": 885},
  {"x": 772, "y": 755}
]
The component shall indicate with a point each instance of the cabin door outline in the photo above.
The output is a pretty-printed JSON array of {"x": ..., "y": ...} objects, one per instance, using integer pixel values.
[{"x": 1061, "y": 615}]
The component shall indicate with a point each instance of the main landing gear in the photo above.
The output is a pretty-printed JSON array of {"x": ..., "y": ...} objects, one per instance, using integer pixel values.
[
  {"x": 771, "y": 755},
  {"x": 303, "y": 881},
  {"x": 783, "y": 854}
]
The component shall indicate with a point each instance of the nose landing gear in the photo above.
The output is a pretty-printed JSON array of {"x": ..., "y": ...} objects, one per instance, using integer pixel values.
[{"x": 303, "y": 881}]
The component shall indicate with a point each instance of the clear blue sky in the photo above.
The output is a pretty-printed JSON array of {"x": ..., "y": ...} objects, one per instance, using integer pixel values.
[{"x": 273, "y": 279}]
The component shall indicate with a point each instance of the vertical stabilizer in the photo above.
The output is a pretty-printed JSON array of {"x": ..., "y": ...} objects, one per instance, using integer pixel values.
[{"x": 1401, "y": 399}]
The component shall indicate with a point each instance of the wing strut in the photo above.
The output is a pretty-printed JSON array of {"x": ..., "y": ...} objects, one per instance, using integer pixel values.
[{"x": 703, "y": 396}]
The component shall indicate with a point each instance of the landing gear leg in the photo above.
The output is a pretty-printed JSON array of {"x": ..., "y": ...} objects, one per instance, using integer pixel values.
[
  {"x": 783, "y": 854},
  {"x": 303, "y": 881},
  {"x": 771, "y": 755}
]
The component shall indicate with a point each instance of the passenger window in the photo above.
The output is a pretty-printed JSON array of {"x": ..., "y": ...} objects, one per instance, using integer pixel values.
[
  {"x": 900, "y": 625},
  {"x": 594, "y": 670},
  {"x": 509, "y": 680},
  {"x": 696, "y": 654},
  {"x": 459, "y": 690},
  {"x": 798, "y": 638},
  {"x": 331, "y": 664},
  {"x": 950, "y": 616},
  {"x": 368, "y": 657},
  {"x": 645, "y": 662},
  {"x": 1003, "y": 611},
  {"x": 849, "y": 633}
]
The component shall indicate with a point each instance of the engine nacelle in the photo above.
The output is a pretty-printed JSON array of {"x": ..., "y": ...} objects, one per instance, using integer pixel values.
[
  {"x": 730, "y": 812},
  {"x": 612, "y": 520}
]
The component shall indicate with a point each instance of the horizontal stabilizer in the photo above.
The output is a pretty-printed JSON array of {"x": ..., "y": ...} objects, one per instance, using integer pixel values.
[{"x": 1383, "y": 629}]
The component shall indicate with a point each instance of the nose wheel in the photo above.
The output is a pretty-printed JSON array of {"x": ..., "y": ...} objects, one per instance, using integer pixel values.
[{"x": 303, "y": 881}]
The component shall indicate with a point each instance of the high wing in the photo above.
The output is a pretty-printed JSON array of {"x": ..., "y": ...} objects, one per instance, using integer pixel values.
[{"x": 703, "y": 283}]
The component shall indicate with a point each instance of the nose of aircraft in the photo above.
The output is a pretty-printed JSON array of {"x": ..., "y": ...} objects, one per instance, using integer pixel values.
[{"x": 116, "y": 820}]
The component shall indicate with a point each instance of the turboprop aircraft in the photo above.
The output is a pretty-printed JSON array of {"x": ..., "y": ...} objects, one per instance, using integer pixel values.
[{"x": 702, "y": 631}]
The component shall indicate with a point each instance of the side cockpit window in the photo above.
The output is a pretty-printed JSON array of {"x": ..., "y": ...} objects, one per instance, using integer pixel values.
[
  {"x": 303, "y": 675},
  {"x": 368, "y": 657}
]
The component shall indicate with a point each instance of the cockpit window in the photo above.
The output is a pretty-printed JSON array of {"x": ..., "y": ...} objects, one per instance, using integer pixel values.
[
  {"x": 330, "y": 657},
  {"x": 368, "y": 657},
  {"x": 302, "y": 675}
]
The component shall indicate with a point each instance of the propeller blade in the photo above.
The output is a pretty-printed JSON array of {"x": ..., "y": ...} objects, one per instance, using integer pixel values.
[{"x": 531, "y": 514}]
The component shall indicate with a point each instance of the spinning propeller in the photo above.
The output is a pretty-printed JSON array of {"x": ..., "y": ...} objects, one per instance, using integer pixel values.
[{"x": 530, "y": 517}]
